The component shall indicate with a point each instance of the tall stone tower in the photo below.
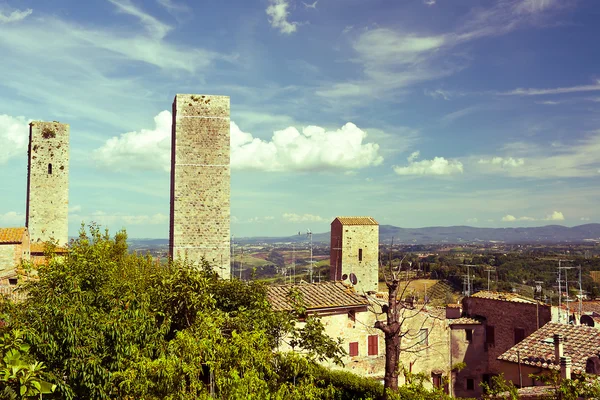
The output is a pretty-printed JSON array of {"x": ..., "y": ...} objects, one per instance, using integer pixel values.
[
  {"x": 354, "y": 252},
  {"x": 200, "y": 181},
  {"x": 48, "y": 182}
]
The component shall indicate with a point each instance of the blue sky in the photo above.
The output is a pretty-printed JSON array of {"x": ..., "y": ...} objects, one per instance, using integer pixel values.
[{"x": 418, "y": 113}]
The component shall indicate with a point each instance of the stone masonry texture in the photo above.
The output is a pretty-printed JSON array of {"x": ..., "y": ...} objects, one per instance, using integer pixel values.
[
  {"x": 346, "y": 241},
  {"x": 48, "y": 182},
  {"x": 200, "y": 181}
]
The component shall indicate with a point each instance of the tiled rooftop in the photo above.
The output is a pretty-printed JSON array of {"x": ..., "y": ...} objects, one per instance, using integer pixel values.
[
  {"x": 11, "y": 235},
  {"x": 316, "y": 296},
  {"x": 357, "y": 221},
  {"x": 464, "y": 321},
  {"x": 503, "y": 296},
  {"x": 580, "y": 343}
]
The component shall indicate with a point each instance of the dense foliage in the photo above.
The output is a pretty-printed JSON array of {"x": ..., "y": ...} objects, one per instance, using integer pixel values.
[{"x": 104, "y": 324}]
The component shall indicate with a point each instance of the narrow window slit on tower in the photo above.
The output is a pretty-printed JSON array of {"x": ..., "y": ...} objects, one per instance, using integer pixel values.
[
  {"x": 359, "y": 254},
  {"x": 49, "y": 169}
]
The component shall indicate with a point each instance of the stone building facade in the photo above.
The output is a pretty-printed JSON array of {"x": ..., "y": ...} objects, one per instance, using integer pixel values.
[
  {"x": 351, "y": 316},
  {"x": 14, "y": 247},
  {"x": 48, "y": 182},
  {"x": 354, "y": 254},
  {"x": 200, "y": 181}
]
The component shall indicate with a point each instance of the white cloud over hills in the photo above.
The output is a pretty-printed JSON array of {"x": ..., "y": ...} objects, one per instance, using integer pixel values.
[
  {"x": 555, "y": 216},
  {"x": 312, "y": 148}
]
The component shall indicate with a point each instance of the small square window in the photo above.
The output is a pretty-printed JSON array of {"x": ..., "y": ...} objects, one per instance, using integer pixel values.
[
  {"x": 519, "y": 334},
  {"x": 470, "y": 384},
  {"x": 469, "y": 335}
]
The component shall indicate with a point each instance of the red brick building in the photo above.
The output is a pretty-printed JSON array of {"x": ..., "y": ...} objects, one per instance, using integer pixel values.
[{"x": 506, "y": 319}]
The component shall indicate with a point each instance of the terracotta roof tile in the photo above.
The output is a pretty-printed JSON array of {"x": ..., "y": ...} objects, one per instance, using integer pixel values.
[
  {"x": 503, "y": 296},
  {"x": 316, "y": 296},
  {"x": 357, "y": 221},
  {"x": 580, "y": 343},
  {"x": 11, "y": 235},
  {"x": 464, "y": 321}
]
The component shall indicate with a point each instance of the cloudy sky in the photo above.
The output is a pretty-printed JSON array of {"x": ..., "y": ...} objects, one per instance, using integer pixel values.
[{"x": 415, "y": 112}]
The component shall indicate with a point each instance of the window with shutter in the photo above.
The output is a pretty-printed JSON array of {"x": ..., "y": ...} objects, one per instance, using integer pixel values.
[
  {"x": 353, "y": 349},
  {"x": 373, "y": 342}
]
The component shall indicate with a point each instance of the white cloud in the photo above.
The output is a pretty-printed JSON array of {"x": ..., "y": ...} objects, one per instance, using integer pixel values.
[
  {"x": 123, "y": 219},
  {"x": 512, "y": 218},
  {"x": 155, "y": 27},
  {"x": 288, "y": 150},
  {"x": 291, "y": 217},
  {"x": 15, "y": 16},
  {"x": 472, "y": 220},
  {"x": 74, "y": 209},
  {"x": 578, "y": 158},
  {"x": 14, "y": 136},
  {"x": 174, "y": 8},
  {"x": 12, "y": 219},
  {"x": 548, "y": 102},
  {"x": 503, "y": 161},
  {"x": 534, "y": 6},
  {"x": 314, "y": 148},
  {"x": 584, "y": 219},
  {"x": 429, "y": 2},
  {"x": 561, "y": 90},
  {"x": 278, "y": 16},
  {"x": 148, "y": 149},
  {"x": 555, "y": 216},
  {"x": 436, "y": 166},
  {"x": 450, "y": 117},
  {"x": 311, "y": 5},
  {"x": 438, "y": 94}
]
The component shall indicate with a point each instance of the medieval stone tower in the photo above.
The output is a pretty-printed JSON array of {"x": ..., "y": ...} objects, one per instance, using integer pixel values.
[
  {"x": 354, "y": 254},
  {"x": 48, "y": 182},
  {"x": 200, "y": 181}
]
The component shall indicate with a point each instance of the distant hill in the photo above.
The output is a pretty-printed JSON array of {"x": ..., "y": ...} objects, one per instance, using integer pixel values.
[
  {"x": 440, "y": 234},
  {"x": 460, "y": 234}
]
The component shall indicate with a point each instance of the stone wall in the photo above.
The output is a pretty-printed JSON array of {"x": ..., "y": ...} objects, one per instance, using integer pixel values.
[
  {"x": 200, "y": 181},
  {"x": 11, "y": 254},
  {"x": 472, "y": 353},
  {"x": 48, "y": 182},
  {"x": 347, "y": 243}
]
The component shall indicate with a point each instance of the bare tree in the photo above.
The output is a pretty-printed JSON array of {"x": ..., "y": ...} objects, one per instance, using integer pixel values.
[{"x": 397, "y": 311}]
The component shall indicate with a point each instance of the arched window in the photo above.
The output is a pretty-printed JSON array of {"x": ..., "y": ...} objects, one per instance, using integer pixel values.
[{"x": 49, "y": 169}]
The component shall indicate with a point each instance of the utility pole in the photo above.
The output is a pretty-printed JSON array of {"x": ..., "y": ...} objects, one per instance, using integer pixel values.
[
  {"x": 232, "y": 256},
  {"x": 310, "y": 270},
  {"x": 560, "y": 268},
  {"x": 469, "y": 286},
  {"x": 488, "y": 270},
  {"x": 241, "y": 263}
]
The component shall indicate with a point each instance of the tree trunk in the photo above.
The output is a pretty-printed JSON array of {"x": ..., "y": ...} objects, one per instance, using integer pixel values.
[{"x": 392, "y": 354}]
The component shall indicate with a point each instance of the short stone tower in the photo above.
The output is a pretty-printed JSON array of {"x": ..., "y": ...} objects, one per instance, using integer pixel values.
[
  {"x": 200, "y": 181},
  {"x": 354, "y": 254},
  {"x": 48, "y": 182}
]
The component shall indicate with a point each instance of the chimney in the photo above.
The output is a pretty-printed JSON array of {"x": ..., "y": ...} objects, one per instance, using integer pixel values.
[
  {"x": 565, "y": 367},
  {"x": 453, "y": 311},
  {"x": 558, "y": 347}
]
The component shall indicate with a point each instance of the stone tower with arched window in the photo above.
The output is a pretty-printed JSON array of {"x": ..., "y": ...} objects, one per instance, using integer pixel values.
[{"x": 48, "y": 182}]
